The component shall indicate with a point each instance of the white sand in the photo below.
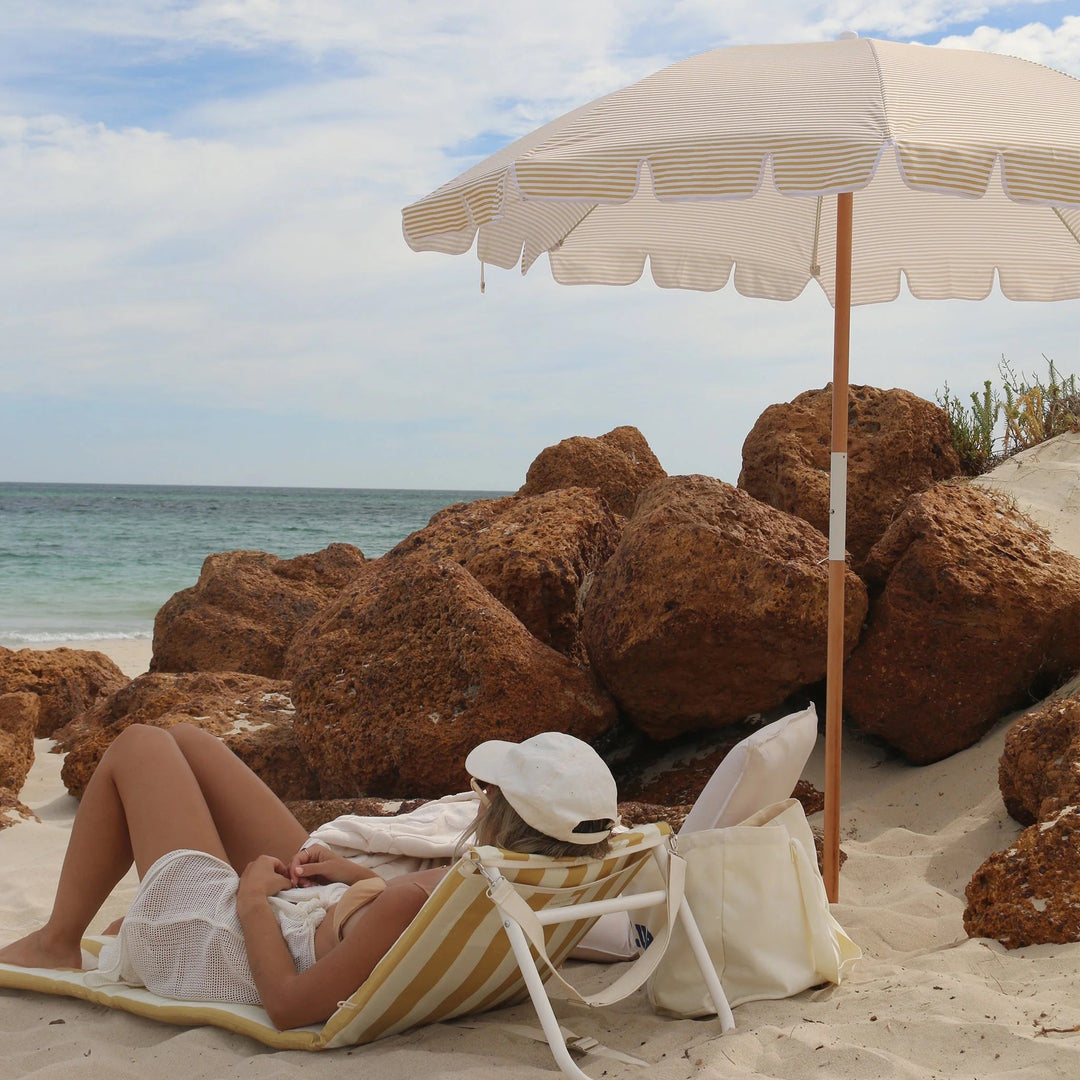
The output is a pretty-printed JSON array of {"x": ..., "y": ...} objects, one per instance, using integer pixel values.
[
  {"x": 925, "y": 1002},
  {"x": 1045, "y": 482},
  {"x": 130, "y": 655}
]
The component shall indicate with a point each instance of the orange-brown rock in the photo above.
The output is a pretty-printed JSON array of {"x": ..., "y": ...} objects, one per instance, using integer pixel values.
[
  {"x": 413, "y": 665},
  {"x": 979, "y": 614},
  {"x": 1039, "y": 771},
  {"x": 252, "y": 715},
  {"x": 898, "y": 444},
  {"x": 713, "y": 607},
  {"x": 66, "y": 681},
  {"x": 537, "y": 554},
  {"x": 619, "y": 465},
  {"x": 12, "y": 812},
  {"x": 311, "y": 813},
  {"x": 1029, "y": 894},
  {"x": 18, "y": 722},
  {"x": 245, "y": 607}
]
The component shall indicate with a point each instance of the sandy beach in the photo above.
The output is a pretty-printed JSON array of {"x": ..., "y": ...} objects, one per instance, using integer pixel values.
[
  {"x": 925, "y": 1002},
  {"x": 130, "y": 655}
]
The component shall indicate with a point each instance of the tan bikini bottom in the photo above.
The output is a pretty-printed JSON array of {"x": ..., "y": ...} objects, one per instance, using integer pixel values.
[{"x": 359, "y": 894}]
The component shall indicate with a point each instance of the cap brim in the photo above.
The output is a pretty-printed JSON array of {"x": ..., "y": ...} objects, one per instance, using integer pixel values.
[{"x": 485, "y": 761}]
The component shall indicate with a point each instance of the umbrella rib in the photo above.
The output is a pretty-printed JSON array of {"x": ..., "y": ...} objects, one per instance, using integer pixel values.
[
  {"x": 569, "y": 232},
  {"x": 885, "y": 116},
  {"x": 815, "y": 266},
  {"x": 1068, "y": 228}
]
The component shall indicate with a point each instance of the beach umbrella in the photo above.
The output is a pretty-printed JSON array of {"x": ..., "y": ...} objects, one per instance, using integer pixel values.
[{"x": 854, "y": 163}]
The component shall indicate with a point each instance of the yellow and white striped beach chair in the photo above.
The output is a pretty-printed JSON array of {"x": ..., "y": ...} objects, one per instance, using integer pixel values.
[{"x": 491, "y": 934}]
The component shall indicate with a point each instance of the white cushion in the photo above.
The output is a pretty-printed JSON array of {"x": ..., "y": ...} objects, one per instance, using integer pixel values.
[
  {"x": 609, "y": 940},
  {"x": 763, "y": 769}
]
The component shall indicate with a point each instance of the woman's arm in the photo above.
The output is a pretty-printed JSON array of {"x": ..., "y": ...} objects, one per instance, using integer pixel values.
[{"x": 312, "y": 996}]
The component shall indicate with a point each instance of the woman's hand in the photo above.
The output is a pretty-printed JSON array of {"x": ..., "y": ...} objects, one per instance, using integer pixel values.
[
  {"x": 317, "y": 865},
  {"x": 263, "y": 877}
]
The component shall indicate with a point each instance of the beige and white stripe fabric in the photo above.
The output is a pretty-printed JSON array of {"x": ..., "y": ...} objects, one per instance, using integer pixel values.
[
  {"x": 965, "y": 168},
  {"x": 454, "y": 959}
]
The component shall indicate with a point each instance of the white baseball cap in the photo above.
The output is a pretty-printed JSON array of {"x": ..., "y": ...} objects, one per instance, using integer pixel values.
[{"x": 554, "y": 781}]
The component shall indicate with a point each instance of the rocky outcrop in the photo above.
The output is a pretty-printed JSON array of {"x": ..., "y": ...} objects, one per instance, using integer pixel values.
[
  {"x": 1029, "y": 894},
  {"x": 977, "y": 608},
  {"x": 713, "y": 607},
  {"x": 245, "y": 608},
  {"x": 66, "y": 681},
  {"x": 898, "y": 444},
  {"x": 18, "y": 722},
  {"x": 536, "y": 554},
  {"x": 252, "y": 715},
  {"x": 413, "y": 665},
  {"x": 619, "y": 465},
  {"x": 311, "y": 813},
  {"x": 1039, "y": 772}
]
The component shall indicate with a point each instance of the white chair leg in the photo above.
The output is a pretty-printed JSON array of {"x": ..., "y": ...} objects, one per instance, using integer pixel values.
[
  {"x": 708, "y": 971},
  {"x": 548, "y": 1021}
]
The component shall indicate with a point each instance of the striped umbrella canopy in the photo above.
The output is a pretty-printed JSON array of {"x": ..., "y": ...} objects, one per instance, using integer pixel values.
[{"x": 850, "y": 163}]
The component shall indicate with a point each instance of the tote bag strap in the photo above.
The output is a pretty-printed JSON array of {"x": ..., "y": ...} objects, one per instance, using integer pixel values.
[{"x": 511, "y": 904}]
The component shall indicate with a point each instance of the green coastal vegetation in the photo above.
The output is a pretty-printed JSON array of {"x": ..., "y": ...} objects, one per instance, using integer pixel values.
[{"x": 1001, "y": 422}]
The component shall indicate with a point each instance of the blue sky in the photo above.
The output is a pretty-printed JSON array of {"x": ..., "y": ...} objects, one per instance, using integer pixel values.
[{"x": 204, "y": 278}]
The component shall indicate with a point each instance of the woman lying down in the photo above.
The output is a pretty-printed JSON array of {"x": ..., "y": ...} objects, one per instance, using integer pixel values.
[{"x": 214, "y": 847}]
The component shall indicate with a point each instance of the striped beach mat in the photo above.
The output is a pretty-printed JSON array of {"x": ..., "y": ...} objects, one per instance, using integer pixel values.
[{"x": 453, "y": 959}]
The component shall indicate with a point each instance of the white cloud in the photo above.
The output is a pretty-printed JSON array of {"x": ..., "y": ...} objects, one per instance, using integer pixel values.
[
  {"x": 1057, "y": 47},
  {"x": 245, "y": 247}
]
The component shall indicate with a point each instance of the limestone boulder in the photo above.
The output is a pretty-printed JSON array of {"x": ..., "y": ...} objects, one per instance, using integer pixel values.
[
  {"x": 311, "y": 813},
  {"x": 66, "y": 681},
  {"x": 713, "y": 607},
  {"x": 413, "y": 665},
  {"x": 1039, "y": 771},
  {"x": 1029, "y": 894},
  {"x": 619, "y": 465},
  {"x": 537, "y": 554},
  {"x": 253, "y": 716},
  {"x": 245, "y": 607},
  {"x": 898, "y": 444},
  {"x": 978, "y": 613},
  {"x": 12, "y": 811},
  {"x": 18, "y": 723}
]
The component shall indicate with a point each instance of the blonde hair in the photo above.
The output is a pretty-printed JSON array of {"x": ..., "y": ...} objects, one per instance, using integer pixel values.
[{"x": 498, "y": 824}]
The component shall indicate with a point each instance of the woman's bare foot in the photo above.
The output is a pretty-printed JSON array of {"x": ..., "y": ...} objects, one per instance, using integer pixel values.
[{"x": 35, "y": 950}]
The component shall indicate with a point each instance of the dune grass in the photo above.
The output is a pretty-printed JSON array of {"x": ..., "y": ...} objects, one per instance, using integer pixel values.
[{"x": 998, "y": 423}]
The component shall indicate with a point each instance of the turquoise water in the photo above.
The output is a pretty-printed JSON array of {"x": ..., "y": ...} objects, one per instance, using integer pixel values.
[{"x": 97, "y": 561}]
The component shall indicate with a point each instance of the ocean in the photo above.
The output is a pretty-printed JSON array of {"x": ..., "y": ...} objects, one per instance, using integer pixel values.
[{"x": 96, "y": 561}]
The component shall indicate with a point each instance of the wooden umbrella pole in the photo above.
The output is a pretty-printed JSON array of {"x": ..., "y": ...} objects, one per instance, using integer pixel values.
[{"x": 834, "y": 692}]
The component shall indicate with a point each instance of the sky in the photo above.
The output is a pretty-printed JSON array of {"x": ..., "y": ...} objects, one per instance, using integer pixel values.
[{"x": 204, "y": 280}]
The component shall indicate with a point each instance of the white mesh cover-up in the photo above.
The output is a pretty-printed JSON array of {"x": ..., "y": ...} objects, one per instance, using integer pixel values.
[{"x": 182, "y": 937}]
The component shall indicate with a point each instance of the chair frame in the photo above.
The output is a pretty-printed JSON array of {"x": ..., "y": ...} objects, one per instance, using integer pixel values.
[{"x": 520, "y": 923}]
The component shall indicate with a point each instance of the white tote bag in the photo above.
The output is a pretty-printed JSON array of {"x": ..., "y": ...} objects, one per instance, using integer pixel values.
[{"x": 759, "y": 901}]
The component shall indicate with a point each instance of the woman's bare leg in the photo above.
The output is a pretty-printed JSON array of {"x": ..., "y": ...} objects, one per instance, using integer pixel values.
[
  {"x": 250, "y": 819},
  {"x": 142, "y": 801}
]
